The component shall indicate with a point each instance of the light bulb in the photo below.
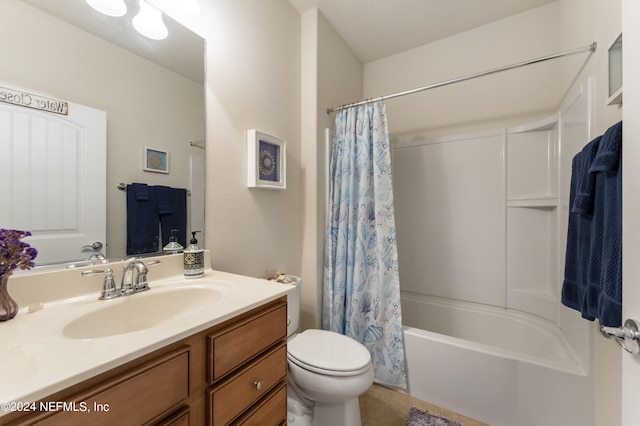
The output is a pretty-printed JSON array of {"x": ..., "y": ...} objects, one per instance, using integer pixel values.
[
  {"x": 149, "y": 23},
  {"x": 109, "y": 7}
]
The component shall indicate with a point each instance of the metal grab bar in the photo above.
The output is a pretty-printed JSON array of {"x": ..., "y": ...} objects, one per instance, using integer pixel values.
[{"x": 627, "y": 336}]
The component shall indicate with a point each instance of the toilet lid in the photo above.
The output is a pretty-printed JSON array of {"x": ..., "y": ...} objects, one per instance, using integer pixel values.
[{"x": 328, "y": 352}]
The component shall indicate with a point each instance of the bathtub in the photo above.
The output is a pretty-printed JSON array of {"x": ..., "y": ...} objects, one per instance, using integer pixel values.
[{"x": 501, "y": 367}]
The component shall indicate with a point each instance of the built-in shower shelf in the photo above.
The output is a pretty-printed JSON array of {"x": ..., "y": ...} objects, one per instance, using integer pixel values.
[{"x": 532, "y": 202}]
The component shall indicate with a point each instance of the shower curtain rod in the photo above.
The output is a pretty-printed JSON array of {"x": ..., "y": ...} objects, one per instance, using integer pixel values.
[{"x": 590, "y": 48}]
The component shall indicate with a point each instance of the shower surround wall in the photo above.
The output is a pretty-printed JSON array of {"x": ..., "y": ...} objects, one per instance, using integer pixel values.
[
  {"x": 481, "y": 225},
  {"x": 482, "y": 218},
  {"x": 478, "y": 215}
]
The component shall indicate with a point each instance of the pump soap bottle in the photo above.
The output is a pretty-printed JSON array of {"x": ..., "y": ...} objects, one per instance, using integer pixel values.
[
  {"x": 193, "y": 259},
  {"x": 173, "y": 247}
]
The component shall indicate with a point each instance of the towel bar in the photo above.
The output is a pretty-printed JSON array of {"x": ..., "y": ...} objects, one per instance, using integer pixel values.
[
  {"x": 627, "y": 336},
  {"x": 123, "y": 187}
]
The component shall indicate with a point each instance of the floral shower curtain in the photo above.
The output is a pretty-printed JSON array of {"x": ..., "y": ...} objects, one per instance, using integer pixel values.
[{"x": 361, "y": 291}]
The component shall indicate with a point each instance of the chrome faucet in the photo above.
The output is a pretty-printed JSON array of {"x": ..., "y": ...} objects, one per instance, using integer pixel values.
[
  {"x": 138, "y": 268},
  {"x": 134, "y": 279}
]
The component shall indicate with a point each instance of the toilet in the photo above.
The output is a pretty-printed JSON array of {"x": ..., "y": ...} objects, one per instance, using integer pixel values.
[{"x": 327, "y": 372}]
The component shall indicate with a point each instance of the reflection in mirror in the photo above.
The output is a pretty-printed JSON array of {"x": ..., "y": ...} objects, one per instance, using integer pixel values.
[{"x": 152, "y": 93}]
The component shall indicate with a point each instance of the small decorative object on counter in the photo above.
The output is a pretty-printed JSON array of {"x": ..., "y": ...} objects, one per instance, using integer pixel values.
[
  {"x": 173, "y": 246},
  {"x": 13, "y": 254},
  {"x": 279, "y": 277},
  {"x": 193, "y": 259}
]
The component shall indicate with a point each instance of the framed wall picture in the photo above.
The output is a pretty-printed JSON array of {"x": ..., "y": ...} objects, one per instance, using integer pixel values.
[
  {"x": 266, "y": 161},
  {"x": 155, "y": 160}
]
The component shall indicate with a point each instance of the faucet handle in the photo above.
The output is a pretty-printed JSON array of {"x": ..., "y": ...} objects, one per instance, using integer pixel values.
[
  {"x": 109, "y": 290},
  {"x": 141, "y": 283}
]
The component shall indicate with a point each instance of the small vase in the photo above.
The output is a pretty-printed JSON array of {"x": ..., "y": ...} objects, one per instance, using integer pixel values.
[{"x": 8, "y": 306}]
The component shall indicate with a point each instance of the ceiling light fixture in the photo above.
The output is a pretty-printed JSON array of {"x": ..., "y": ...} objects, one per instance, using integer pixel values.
[
  {"x": 149, "y": 23},
  {"x": 178, "y": 8},
  {"x": 109, "y": 7}
]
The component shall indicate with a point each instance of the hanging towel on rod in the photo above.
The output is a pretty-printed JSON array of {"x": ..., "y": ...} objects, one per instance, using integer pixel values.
[
  {"x": 608, "y": 167},
  {"x": 142, "y": 223},
  {"x": 593, "y": 260},
  {"x": 152, "y": 212},
  {"x": 172, "y": 211}
]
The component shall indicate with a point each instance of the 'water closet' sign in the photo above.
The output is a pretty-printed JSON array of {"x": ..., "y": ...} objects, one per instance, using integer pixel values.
[{"x": 29, "y": 100}]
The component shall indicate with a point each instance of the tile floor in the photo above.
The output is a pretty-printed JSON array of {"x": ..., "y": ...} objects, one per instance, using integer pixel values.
[{"x": 381, "y": 406}]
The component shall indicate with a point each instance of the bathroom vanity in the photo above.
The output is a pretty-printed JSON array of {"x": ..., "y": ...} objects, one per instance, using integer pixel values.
[{"x": 217, "y": 365}]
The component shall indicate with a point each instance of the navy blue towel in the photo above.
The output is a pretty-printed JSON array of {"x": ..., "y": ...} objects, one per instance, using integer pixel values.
[
  {"x": 585, "y": 181},
  {"x": 172, "y": 211},
  {"x": 576, "y": 266},
  {"x": 608, "y": 166},
  {"x": 143, "y": 230},
  {"x": 152, "y": 213},
  {"x": 593, "y": 263}
]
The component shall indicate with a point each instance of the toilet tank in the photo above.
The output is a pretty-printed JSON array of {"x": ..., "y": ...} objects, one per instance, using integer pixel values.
[{"x": 293, "y": 307}]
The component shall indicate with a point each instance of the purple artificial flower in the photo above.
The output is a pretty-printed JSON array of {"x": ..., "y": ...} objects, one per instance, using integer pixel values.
[{"x": 15, "y": 253}]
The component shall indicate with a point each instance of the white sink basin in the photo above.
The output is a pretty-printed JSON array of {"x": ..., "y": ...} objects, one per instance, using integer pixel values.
[{"x": 145, "y": 310}]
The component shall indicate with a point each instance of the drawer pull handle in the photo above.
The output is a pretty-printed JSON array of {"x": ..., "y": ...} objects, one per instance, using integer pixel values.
[{"x": 259, "y": 384}]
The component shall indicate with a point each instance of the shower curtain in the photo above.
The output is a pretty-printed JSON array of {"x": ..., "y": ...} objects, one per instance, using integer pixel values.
[{"x": 361, "y": 291}]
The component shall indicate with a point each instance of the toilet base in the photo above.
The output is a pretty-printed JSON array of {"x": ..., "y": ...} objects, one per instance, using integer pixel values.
[
  {"x": 347, "y": 413},
  {"x": 297, "y": 413},
  {"x": 295, "y": 420},
  {"x": 301, "y": 412},
  {"x": 299, "y": 409}
]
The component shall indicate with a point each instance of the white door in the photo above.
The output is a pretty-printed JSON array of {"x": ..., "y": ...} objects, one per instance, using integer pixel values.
[
  {"x": 631, "y": 202},
  {"x": 53, "y": 179}
]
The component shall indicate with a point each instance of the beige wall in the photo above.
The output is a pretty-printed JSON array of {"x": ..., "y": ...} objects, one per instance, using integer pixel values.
[
  {"x": 491, "y": 102},
  {"x": 270, "y": 68},
  {"x": 253, "y": 82},
  {"x": 331, "y": 75},
  {"x": 55, "y": 58}
]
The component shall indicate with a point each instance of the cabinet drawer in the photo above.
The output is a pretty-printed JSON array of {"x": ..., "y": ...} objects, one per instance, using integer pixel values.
[
  {"x": 179, "y": 418},
  {"x": 271, "y": 411},
  {"x": 134, "y": 399},
  {"x": 230, "y": 349},
  {"x": 234, "y": 396}
]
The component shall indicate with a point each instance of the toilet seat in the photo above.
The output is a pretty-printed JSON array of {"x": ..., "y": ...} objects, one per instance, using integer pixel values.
[{"x": 328, "y": 353}]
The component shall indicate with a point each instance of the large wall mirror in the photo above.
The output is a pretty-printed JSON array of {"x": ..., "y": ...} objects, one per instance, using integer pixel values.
[{"x": 152, "y": 92}]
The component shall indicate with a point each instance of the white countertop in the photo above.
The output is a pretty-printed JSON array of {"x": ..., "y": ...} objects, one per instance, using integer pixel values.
[{"x": 37, "y": 359}]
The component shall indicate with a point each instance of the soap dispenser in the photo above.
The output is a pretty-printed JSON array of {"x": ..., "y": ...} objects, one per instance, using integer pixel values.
[
  {"x": 193, "y": 259},
  {"x": 173, "y": 247}
]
